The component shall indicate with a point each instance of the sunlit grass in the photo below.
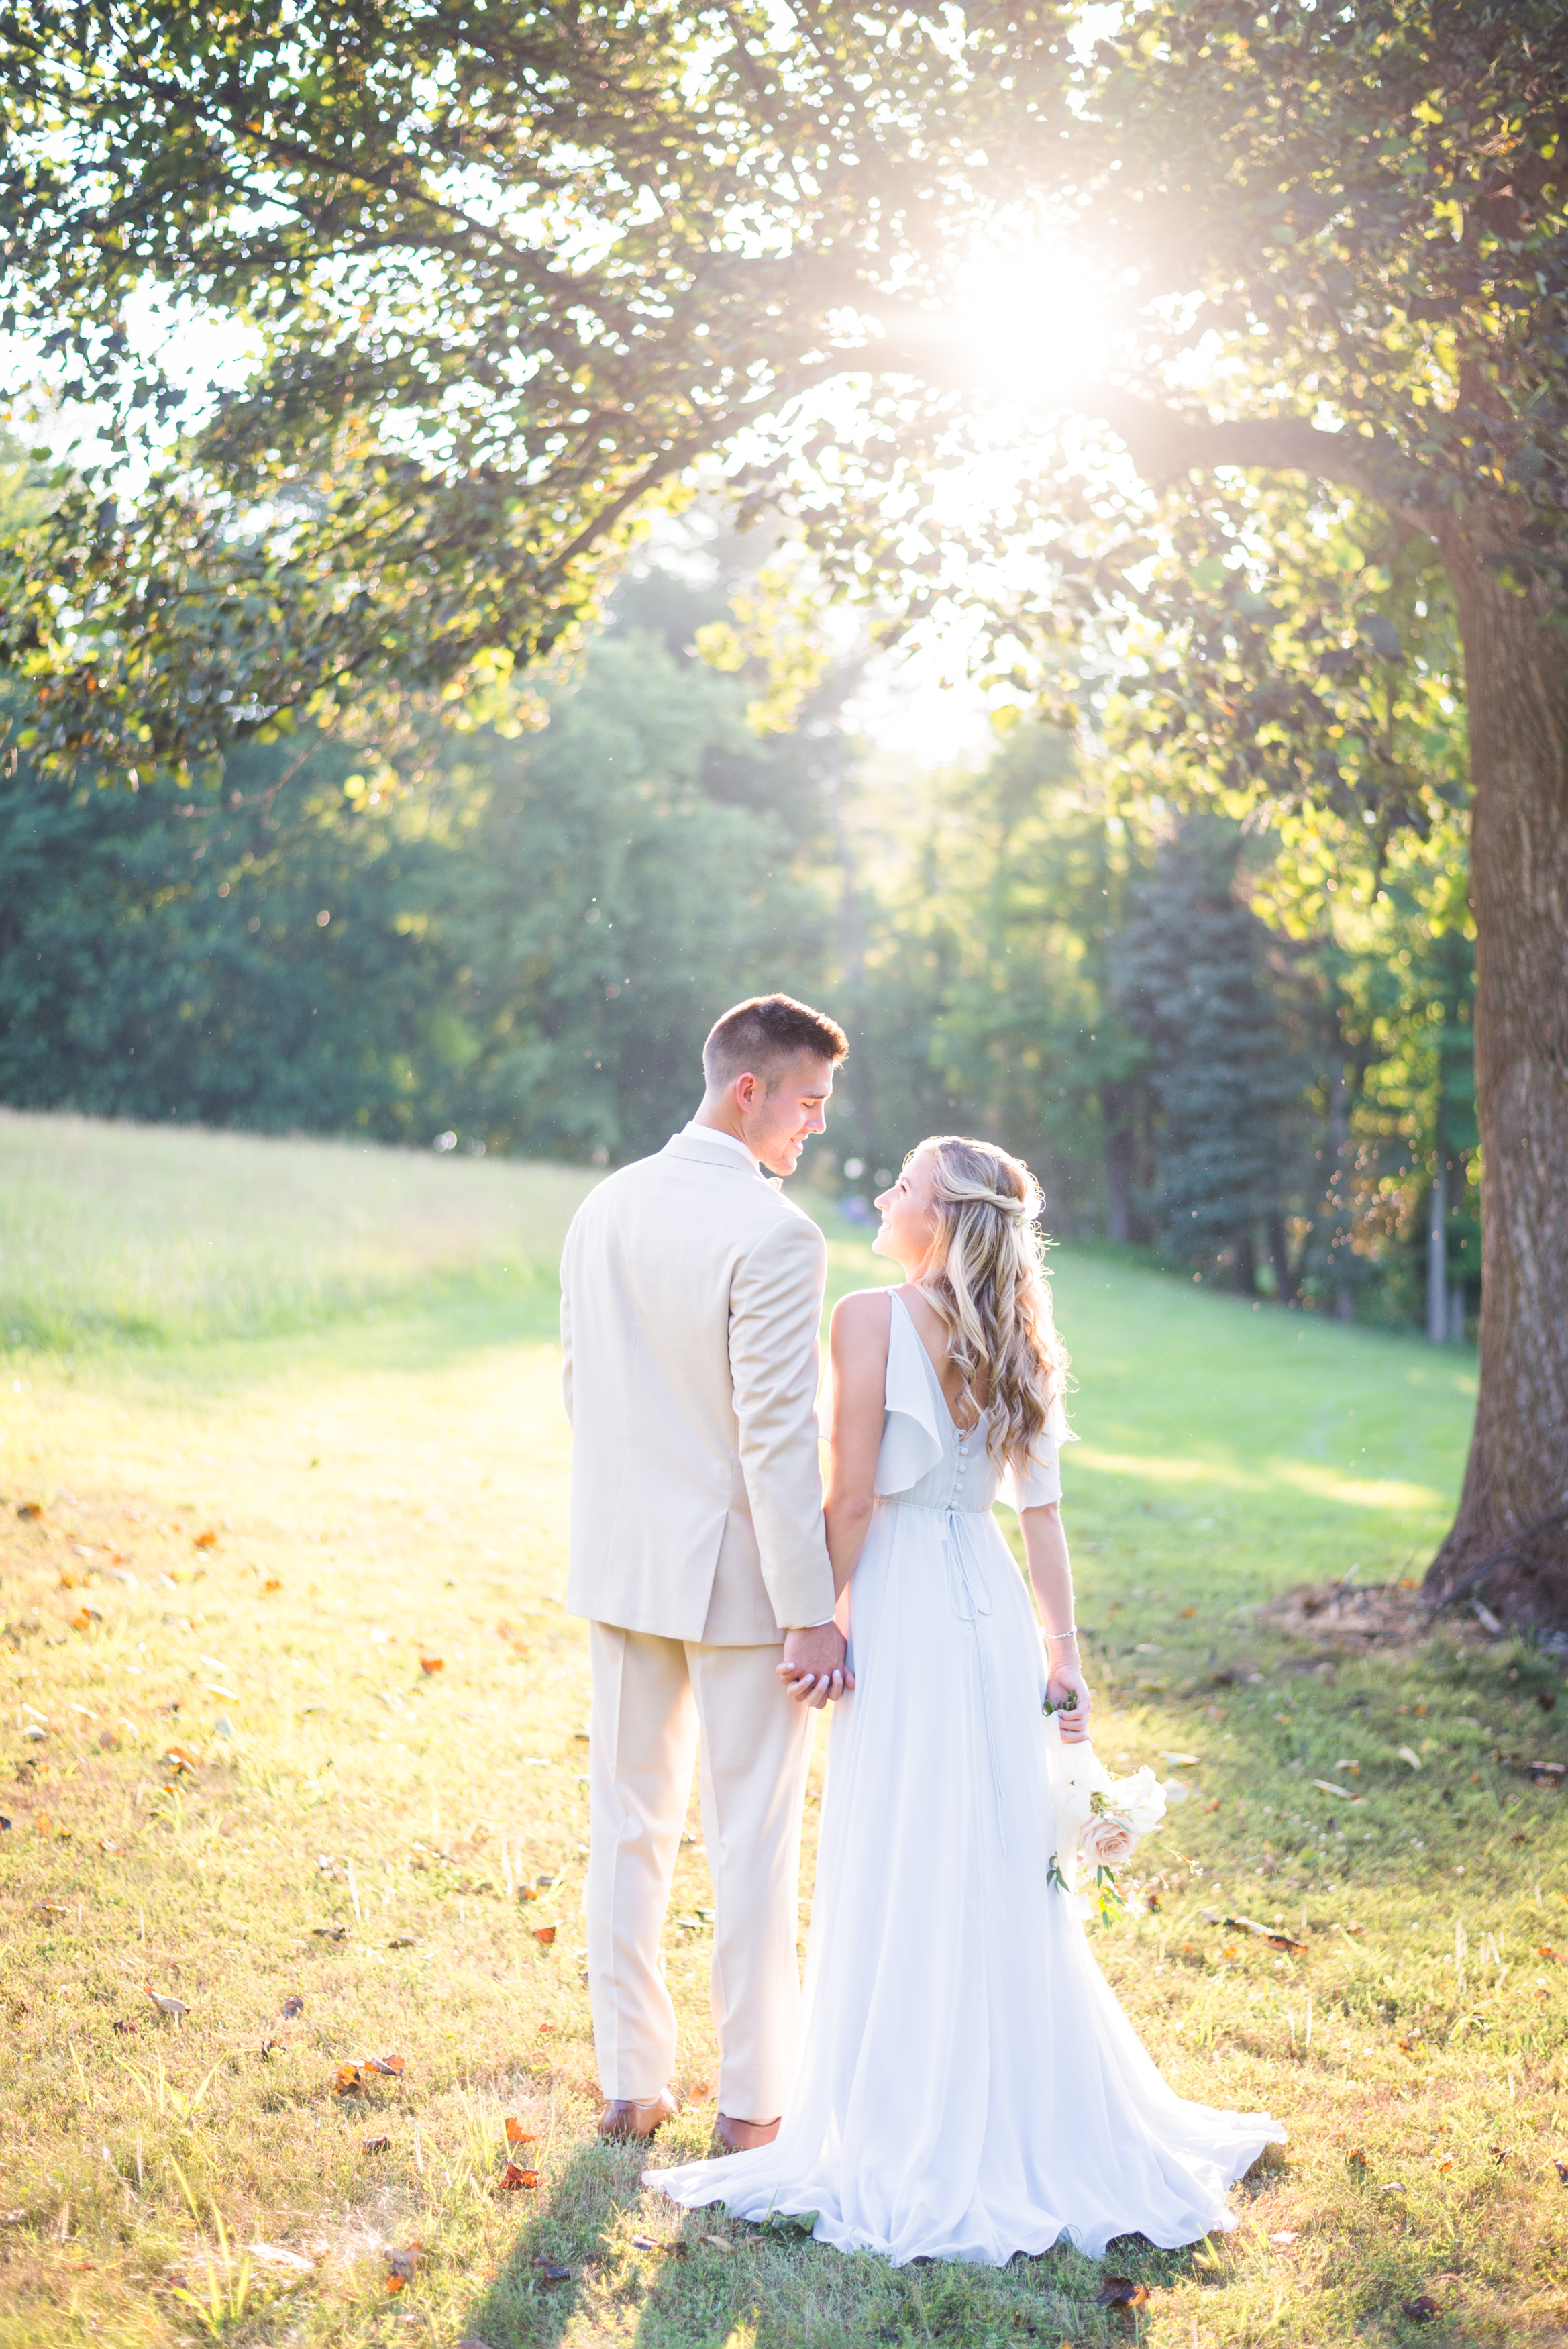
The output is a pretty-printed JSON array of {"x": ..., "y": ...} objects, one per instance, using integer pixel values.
[{"x": 397, "y": 1469}]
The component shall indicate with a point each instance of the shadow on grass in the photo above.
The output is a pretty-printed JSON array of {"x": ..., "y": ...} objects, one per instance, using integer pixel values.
[{"x": 713, "y": 2279}]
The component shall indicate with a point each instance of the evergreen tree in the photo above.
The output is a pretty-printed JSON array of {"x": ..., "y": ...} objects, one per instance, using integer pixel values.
[{"x": 1193, "y": 982}]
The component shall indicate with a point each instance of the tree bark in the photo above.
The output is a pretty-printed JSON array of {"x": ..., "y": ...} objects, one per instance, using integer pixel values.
[
  {"x": 1438, "y": 1252},
  {"x": 1517, "y": 668}
]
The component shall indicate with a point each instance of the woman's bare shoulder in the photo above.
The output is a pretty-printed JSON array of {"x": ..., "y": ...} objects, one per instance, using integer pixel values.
[{"x": 862, "y": 1317}]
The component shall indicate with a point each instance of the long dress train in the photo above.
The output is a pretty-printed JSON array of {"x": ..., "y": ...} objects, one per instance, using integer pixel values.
[{"x": 967, "y": 2085}]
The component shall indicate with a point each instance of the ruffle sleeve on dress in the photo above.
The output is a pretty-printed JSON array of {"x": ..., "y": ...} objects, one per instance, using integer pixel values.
[
  {"x": 1041, "y": 1481},
  {"x": 912, "y": 1442}
]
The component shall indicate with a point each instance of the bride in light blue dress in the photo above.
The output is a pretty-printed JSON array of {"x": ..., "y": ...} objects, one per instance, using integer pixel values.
[{"x": 968, "y": 2087}]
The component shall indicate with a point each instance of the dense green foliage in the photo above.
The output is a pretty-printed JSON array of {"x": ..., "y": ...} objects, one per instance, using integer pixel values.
[{"x": 528, "y": 952}]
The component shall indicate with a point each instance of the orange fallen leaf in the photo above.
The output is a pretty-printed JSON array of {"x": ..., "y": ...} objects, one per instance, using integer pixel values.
[
  {"x": 350, "y": 2079},
  {"x": 1186, "y": 1611},
  {"x": 29, "y": 1509},
  {"x": 1445, "y": 2165},
  {"x": 82, "y": 1620},
  {"x": 181, "y": 1757},
  {"x": 544, "y": 1933},
  {"x": 1121, "y": 2292},
  {"x": 393, "y": 2066},
  {"x": 43, "y": 1823},
  {"x": 208, "y": 1540},
  {"x": 401, "y": 2267},
  {"x": 512, "y": 2177},
  {"x": 272, "y": 1583},
  {"x": 432, "y": 1663},
  {"x": 517, "y": 2135}
]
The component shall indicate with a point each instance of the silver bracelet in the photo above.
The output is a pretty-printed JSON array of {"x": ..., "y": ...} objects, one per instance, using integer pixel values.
[{"x": 1070, "y": 1633}]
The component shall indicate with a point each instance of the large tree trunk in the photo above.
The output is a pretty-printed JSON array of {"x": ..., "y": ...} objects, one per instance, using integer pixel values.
[{"x": 1517, "y": 1477}]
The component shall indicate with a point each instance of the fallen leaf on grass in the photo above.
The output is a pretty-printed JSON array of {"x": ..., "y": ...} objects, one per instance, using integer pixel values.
[
  {"x": 1328, "y": 1786},
  {"x": 207, "y": 1540},
  {"x": 43, "y": 1825},
  {"x": 348, "y": 2081},
  {"x": 1422, "y": 2309},
  {"x": 432, "y": 1663},
  {"x": 401, "y": 2267},
  {"x": 48, "y": 1910},
  {"x": 1355, "y": 2158},
  {"x": 1121, "y": 2292},
  {"x": 85, "y": 1618},
  {"x": 294, "y": 2005},
  {"x": 1285, "y": 2235},
  {"x": 272, "y": 1583},
  {"x": 172, "y": 2007},
  {"x": 700, "y": 2092},
  {"x": 182, "y": 1757},
  {"x": 330, "y": 1932},
  {"x": 377, "y": 2144},
  {"x": 393, "y": 2066},
  {"x": 1406, "y": 1756},
  {"x": 545, "y": 1933},
  {"x": 552, "y": 2271},
  {"x": 1544, "y": 1949},
  {"x": 1447, "y": 2165},
  {"x": 26, "y": 1510},
  {"x": 512, "y": 2177},
  {"x": 126, "y": 2030},
  {"x": 113, "y": 1850},
  {"x": 403, "y": 1942},
  {"x": 517, "y": 2135},
  {"x": 716, "y": 2242},
  {"x": 1269, "y": 1933}
]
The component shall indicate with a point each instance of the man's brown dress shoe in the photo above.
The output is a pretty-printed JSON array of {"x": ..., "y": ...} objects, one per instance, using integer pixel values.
[
  {"x": 743, "y": 2137},
  {"x": 636, "y": 2117}
]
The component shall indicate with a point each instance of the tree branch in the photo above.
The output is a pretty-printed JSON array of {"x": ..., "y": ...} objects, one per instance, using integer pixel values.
[{"x": 1162, "y": 442}]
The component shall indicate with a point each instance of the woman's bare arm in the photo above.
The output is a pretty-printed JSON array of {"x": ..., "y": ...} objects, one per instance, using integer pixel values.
[
  {"x": 1050, "y": 1572},
  {"x": 857, "y": 1349}
]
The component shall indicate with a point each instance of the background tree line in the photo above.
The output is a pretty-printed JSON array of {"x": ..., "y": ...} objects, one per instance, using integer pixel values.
[{"x": 1246, "y": 1047}]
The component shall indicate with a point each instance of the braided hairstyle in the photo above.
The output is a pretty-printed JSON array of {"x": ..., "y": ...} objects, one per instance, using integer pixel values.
[{"x": 987, "y": 1285}]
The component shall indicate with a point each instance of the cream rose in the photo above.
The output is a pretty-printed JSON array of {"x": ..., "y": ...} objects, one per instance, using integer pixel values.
[{"x": 1107, "y": 1842}]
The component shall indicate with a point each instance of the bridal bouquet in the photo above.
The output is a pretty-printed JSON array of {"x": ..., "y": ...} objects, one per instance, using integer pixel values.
[{"x": 1100, "y": 1821}]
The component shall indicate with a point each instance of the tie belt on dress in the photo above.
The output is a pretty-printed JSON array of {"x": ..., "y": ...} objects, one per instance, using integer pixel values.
[{"x": 969, "y": 1597}]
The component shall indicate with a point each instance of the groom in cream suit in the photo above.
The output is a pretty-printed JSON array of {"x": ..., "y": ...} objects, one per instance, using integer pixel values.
[{"x": 691, "y": 1293}]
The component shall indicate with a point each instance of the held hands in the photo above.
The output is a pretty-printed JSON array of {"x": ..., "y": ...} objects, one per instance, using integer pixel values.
[
  {"x": 814, "y": 1670},
  {"x": 1066, "y": 1691}
]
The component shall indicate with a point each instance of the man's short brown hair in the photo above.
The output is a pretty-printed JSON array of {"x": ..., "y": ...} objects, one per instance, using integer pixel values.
[{"x": 764, "y": 1031}]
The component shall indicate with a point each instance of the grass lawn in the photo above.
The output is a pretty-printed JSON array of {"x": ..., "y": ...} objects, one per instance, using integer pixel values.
[{"x": 294, "y": 1735}]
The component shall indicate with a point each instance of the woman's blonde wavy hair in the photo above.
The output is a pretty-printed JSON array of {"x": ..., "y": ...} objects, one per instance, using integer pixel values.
[{"x": 987, "y": 1283}]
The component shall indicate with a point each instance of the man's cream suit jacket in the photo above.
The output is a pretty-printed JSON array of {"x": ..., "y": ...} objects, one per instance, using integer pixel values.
[{"x": 691, "y": 1295}]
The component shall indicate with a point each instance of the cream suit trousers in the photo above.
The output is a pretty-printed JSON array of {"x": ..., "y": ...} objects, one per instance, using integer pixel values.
[{"x": 652, "y": 1697}]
